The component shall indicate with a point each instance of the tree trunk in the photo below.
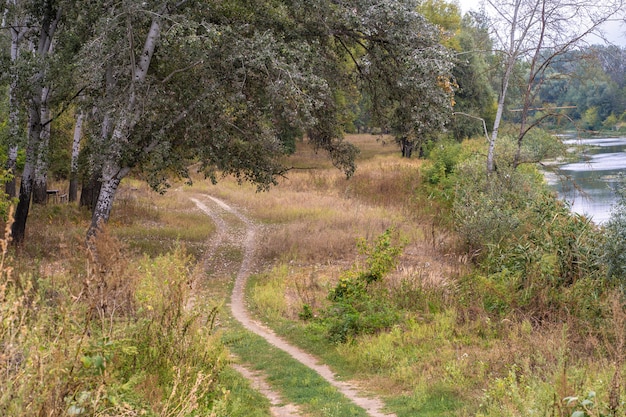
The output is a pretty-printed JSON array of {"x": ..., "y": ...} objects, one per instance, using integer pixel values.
[
  {"x": 512, "y": 56},
  {"x": 18, "y": 228},
  {"x": 46, "y": 34},
  {"x": 40, "y": 183},
  {"x": 17, "y": 33},
  {"x": 78, "y": 128},
  {"x": 90, "y": 191},
  {"x": 10, "y": 186},
  {"x": 407, "y": 147},
  {"x": 102, "y": 209},
  {"x": 112, "y": 172}
]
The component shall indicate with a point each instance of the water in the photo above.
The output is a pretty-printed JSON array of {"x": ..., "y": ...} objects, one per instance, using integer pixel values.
[{"x": 595, "y": 176}]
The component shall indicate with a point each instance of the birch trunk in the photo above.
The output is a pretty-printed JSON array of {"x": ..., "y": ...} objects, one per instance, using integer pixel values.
[
  {"x": 11, "y": 185},
  {"x": 78, "y": 129},
  {"x": 112, "y": 172},
  {"x": 510, "y": 63},
  {"x": 17, "y": 33},
  {"x": 18, "y": 228},
  {"x": 498, "y": 119},
  {"x": 46, "y": 33},
  {"x": 40, "y": 181}
]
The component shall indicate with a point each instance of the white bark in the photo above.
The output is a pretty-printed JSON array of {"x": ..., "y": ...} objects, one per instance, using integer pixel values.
[
  {"x": 512, "y": 57},
  {"x": 78, "y": 134},
  {"x": 112, "y": 171},
  {"x": 17, "y": 30},
  {"x": 42, "y": 163},
  {"x": 46, "y": 34},
  {"x": 529, "y": 28}
]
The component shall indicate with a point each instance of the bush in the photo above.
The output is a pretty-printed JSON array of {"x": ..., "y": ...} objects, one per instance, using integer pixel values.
[
  {"x": 528, "y": 244},
  {"x": 615, "y": 237},
  {"x": 359, "y": 305}
]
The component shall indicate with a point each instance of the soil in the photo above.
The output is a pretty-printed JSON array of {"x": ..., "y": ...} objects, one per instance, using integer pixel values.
[{"x": 237, "y": 229}]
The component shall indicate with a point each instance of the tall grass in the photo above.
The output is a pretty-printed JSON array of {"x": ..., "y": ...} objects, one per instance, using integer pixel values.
[
  {"x": 113, "y": 332},
  {"x": 514, "y": 338},
  {"x": 506, "y": 327}
]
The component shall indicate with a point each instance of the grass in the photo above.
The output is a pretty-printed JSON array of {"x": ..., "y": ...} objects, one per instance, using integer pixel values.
[
  {"x": 446, "y": 355},
  {"x": 297, "y": 383}
]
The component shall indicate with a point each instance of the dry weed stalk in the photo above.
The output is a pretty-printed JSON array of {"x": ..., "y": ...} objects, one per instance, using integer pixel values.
[
  {"x": 184, "y": 403},
  {"x": 618, "y": 321},
  {"x": 108, "y": 286}
]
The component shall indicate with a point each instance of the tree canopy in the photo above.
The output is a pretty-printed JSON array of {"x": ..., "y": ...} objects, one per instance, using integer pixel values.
[{"x": 230, "y": 85}]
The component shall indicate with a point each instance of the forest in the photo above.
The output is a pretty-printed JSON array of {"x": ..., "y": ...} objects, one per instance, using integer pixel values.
[{"x": 364, "y": 178}]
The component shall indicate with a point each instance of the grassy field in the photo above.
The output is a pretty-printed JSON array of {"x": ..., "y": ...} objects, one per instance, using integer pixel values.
[{"x": 431, "y": 350}]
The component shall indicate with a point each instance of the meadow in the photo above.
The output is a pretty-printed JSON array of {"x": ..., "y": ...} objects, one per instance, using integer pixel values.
[{"x": 372, "y": 274}]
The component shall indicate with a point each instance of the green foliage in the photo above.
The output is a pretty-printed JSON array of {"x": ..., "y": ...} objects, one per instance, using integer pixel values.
[
  {"x": 475, "y": 95},
  {"x": 443, "y": 159},
  {"x": 615, "y": 237},
  {"x": 583, "y": 407},
  {"x": 528, "y": 243},
  {"x": 5, "y": 202},
  {"x": 357, "y": 307}
]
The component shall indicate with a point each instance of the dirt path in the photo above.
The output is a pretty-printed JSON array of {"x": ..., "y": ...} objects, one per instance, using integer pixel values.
[{"x": 246, "y": 234}]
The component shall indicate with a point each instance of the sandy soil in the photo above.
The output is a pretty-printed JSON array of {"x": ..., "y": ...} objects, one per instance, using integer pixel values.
[{"x": 236, "y": 228}]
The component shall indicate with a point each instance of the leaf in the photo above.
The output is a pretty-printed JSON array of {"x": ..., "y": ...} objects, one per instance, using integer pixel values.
[
  {"x": 74, "y": 410},
  {"x": 579, "y": 414},
  {"x": 98, "y": 362},
  {"x": 86, "y": 361}
]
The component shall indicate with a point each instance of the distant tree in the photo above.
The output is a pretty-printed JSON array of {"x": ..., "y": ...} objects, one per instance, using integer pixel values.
[
  {"x": 538, "y": 32},
  {"x": 475, "y": 96}
]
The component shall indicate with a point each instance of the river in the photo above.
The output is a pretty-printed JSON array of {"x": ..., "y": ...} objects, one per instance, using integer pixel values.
[{"x": 588, "y": 185}]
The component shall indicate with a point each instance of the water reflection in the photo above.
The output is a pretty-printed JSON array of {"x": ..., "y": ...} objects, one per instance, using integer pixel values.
[{"x": 591, "y": 180}]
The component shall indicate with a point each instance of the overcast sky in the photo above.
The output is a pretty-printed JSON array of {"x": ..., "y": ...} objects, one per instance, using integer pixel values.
[{"x": 614, "y": 31}]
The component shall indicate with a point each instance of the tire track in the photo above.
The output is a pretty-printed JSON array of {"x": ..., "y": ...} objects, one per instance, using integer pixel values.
[{"x": 247, "y": 239}]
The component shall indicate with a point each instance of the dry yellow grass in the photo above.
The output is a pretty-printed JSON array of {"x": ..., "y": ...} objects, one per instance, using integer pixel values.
[{"x": 314, "y": 217}]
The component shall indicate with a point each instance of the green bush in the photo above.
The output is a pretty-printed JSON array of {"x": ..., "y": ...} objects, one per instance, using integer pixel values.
[
  {"x": 443, "y": 158},
  {"x": 359, "y": 304},
  {"x": 615, "y": 237},
  {"x": 528, "y": 245}
]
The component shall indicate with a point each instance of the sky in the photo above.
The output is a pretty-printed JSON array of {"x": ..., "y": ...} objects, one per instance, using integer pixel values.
[{"x": 615, "y": 31}]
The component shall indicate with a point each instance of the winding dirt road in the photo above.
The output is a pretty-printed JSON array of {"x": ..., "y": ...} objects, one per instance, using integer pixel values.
[{"x": 244, "y": 234}]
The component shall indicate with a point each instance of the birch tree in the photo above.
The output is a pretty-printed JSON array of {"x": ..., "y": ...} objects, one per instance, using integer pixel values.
[
  {"x": 204, "y": 82},
  {"x": 14, "y": 20},
  {"x": 537, "y": 32},
  {"x": 42, "y": 30},
  {"x": 78, "y": 133}
]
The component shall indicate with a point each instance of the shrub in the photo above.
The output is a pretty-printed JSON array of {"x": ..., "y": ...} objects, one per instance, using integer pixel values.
[
  {"x": 359, "y": 305},
  {"x": 615, "y": 237},
  {"x": 528, "y": 244},
  {"x": 443, "y": 158}
]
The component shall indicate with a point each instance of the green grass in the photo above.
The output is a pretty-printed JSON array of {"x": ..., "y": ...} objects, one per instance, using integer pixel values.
[
  {"x": 436, "y": 401},
  {"x": 245, "y": 401},
  {"x": 298, "y": 384}
]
